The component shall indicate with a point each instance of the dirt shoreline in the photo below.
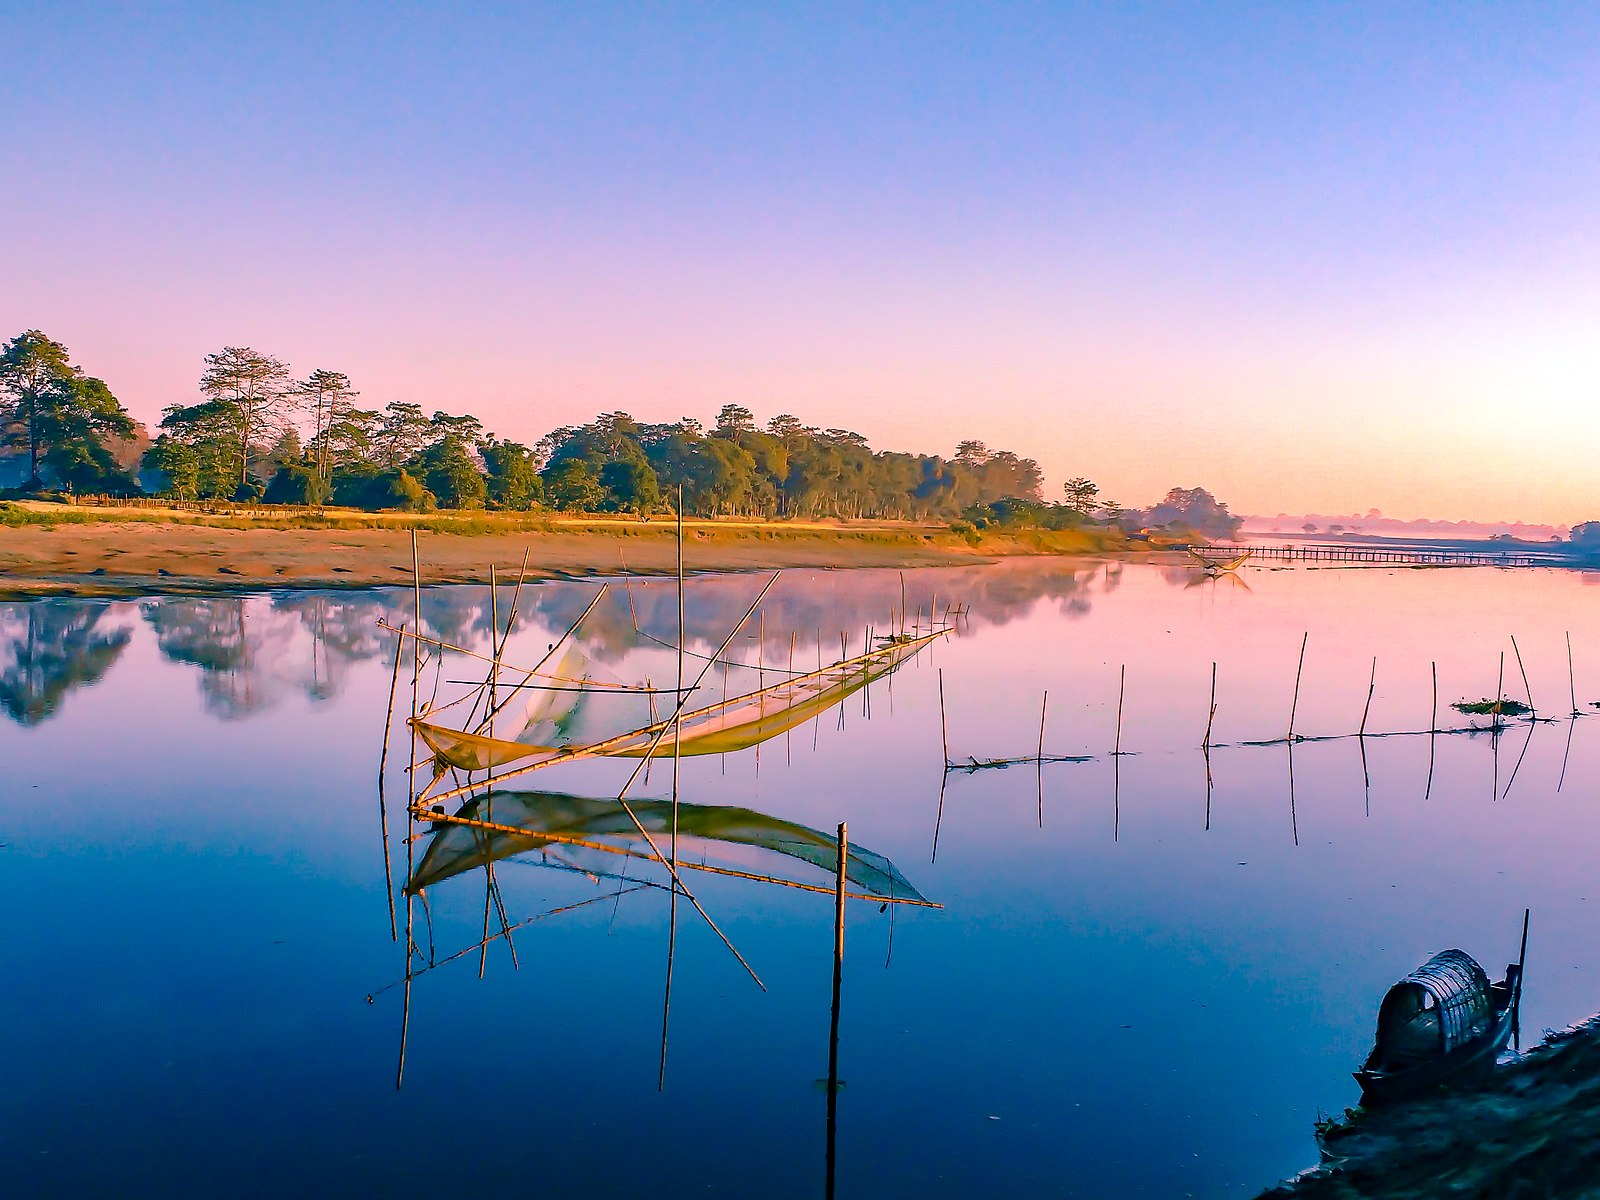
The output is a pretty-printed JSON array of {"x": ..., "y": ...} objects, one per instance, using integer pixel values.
[
  {"x": 114, "y": 557},
  {"x": 1530, "y": 1131}
]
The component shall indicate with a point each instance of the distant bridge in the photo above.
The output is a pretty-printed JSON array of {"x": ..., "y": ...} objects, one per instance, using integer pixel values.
[{"x": 1430, "y": 556}]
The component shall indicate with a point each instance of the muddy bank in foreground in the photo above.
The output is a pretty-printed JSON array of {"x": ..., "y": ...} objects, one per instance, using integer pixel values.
[
  {"x": 1531, "y": 1132},
  {"x": 127, "y": 557}
]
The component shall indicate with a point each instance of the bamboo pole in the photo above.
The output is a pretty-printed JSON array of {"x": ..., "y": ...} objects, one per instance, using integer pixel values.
[
  {"x": 833, "y": 1029},
  {"x": 1205, "y": 743},
  {"x": 494, "y": 673},
  {"x": 1516, "y": 998},
  {"x": 1499, "y": 689},
  {"x": 677, "y": 759},
  {"x": 1533, "y": 709},
  {"x": 1294, "y": 704},
  {"x": 944, "y": 734},
  {"x": 1122, "y": 688},
  {"x": 1433, "y": 724},
  {"x": 660, "y": 734},
  {"x": 1372, "y": 684},
  {"x": 1572, "y": 679},
  {"x": 1044, "y": 706}
]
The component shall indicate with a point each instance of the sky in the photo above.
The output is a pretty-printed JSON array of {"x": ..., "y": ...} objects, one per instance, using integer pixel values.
[{"x": 1313, "y": 257}]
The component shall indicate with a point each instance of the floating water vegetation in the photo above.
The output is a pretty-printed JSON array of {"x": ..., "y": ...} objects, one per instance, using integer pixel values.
[{"x": 1492, "y": 708}]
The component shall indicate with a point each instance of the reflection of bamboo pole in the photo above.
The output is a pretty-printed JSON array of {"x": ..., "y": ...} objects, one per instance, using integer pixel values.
[
  {"x": 833, "y": 1029},
  {"x": 1295, "y": 703},
  {"x": 1533, "y": 710},
  {"x": 383, "y": 812},
  {"x": 405, "y": 1004},
  {"x": 1294, "y": 816},
  {"x": 1372, "y": 685}
]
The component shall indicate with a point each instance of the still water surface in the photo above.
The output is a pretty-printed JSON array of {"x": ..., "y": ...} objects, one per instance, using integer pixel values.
[{"x": 1135, "y": 988}]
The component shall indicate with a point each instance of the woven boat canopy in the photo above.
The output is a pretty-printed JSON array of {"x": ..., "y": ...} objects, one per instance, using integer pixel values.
[{"x": 1441, "y": 1005}]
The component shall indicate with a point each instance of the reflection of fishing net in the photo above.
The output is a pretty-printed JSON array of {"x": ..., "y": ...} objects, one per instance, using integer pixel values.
[
  {"x": 729, "y": 726},
  {"x": 525, "y": 821}
]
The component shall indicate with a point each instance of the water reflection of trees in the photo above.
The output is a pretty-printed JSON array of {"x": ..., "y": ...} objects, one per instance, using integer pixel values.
[
  {"x": 49, "y": 648},
  {"x": 251, "y": 651}
]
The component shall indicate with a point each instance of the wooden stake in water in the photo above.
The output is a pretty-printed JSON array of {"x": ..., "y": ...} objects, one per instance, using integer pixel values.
[
  {"x": 1294, "y": 704},
  {"x": 833, "y": 1030},
  {"x": 1572, "y": 679},
  {"x": 1044, "y": 706},
  {"x": 944, "y": 734},
  {"x": 1533, "y": 710},
  {"x": 1500, "y": 690},
  {"x": 1433, "y": 723},
  {"x": 1122, "y": 688},
  {"x": 677, "y": 758},
  {"x": 1372, "y": 685},
  {"x": 1516, "y": 998},
  {"x": 1211, "y": 715}
]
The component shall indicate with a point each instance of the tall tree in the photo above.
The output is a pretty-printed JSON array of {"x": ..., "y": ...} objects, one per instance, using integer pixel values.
[
  {"x": 403, "y": 434},
  {"x": 247, "y": 396},
  {"x": 57, "y": 412},
  {"x": 513, "y": 474},
  {"x": 330, "y": 400},
  {"x": 1080, "y": 493}
]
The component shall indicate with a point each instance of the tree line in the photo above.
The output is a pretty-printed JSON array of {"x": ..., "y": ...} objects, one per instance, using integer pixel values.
[{"x": 258, "y": 433}]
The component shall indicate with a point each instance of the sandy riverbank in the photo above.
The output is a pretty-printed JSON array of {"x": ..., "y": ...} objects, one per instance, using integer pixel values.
[{"x": 124, "y": 552}]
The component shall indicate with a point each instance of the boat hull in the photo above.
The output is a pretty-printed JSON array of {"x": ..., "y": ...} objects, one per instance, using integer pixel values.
[{"x": 1464, "y": 1062}]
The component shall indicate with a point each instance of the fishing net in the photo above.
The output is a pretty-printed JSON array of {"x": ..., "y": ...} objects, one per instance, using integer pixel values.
[
  {"x": 722, "y": 728},
  {"x": 525, "y": 821}
]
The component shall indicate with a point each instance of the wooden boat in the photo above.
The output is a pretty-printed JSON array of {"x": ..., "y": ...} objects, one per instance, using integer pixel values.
[{"x": 1445, "y": 1021}]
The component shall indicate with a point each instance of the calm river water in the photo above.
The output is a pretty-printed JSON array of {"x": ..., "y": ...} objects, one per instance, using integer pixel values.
[{"x": 1136, "y": 986}]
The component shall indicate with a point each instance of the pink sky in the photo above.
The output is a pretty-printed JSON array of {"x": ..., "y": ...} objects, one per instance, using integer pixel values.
[{"x": 1298, "y": 260}]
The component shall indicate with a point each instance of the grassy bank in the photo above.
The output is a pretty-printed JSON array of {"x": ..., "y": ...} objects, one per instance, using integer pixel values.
[
  {"x": 1531, "y": 1132},
  {"x": 60, "y": 549}
]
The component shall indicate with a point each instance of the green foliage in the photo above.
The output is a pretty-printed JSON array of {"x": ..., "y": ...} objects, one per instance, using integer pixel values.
[
  {"x": 573, "y": 486},
  {"x": 448, "y": 472},
  {"x": 59, "y": 415},
  {"x": 630, "y": 487},
  {"x": 1490, "y": 708},
  {"x": 513, "y": 475},
  {"x": 400, "y": 491},
  {"x": 1079, "y": 493},
  {"x": 296, "y": 483}
]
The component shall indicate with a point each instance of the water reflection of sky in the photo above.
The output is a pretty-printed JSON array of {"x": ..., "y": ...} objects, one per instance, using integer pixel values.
[{"x": 1119, "y": 1002}]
